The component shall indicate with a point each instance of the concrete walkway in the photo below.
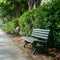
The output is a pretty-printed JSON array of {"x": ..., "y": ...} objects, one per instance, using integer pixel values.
[{"x": 8, "y": 50}]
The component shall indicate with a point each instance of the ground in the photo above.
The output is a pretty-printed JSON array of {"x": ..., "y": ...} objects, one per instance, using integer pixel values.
[
  {"x": 53, "y": 55},
  {"x": 8, "y": 50}
]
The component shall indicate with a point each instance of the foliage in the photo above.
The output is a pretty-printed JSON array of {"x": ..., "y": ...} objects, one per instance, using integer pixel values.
[
  {"x": 47, "y": 17},
  {"x": 23, "y": 23},
  {"x": 10, "y": 9},
  {"x": 10, "y": 26},
  {"x": 32, "y": 19}
]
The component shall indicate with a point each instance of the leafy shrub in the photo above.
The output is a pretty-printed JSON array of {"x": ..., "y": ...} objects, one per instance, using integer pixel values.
[
  {"x": 47, "y": 17},
  {"x": 32, "y": 19},
  {"x": 8, "y": 27},
  {"x": 25, "y": 24}
]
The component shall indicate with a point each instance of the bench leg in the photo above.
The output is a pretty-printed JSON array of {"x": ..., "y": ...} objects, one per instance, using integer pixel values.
[
  {"x": 34, "y": 47},
  {"x": 35, "y": 51},
  {"x": 26, "y": 42},
  {"x": 34, "y": 44}
]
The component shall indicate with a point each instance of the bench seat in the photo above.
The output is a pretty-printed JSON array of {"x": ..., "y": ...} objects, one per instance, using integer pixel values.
[{"x": 32, "y": 39}]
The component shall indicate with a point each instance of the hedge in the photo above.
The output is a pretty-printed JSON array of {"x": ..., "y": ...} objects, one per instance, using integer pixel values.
[
  {"x": 9, "y": 27},
  {"x": 46, "y": 16}
]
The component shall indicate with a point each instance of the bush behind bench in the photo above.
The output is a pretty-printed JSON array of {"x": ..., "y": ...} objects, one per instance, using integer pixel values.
[{"x": 46, "y": 17}]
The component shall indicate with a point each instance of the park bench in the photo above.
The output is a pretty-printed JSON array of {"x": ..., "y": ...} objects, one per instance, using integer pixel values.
[{"x": 38, "y": 36}]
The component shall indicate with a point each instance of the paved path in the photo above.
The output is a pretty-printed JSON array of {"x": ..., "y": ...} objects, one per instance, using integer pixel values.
[{"x": 8, "y": 50}]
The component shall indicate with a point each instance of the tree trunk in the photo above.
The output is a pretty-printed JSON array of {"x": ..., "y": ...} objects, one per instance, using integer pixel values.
[
  {"x": 31, "y": 4},
  {"x": 18, "y": 12},
  {"x": 38, "y": 2}
]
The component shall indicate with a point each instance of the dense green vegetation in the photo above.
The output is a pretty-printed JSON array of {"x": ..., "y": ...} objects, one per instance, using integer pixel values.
[
  {"x": 41, "y": 17},
  {"x": 10, "y": 26},
  {"x": 11, "y": 9},
  {"x": 47, "y": 17}
]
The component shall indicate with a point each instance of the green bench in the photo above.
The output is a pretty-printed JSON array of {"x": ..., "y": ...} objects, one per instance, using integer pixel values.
[{"x": 38, "y": 36}]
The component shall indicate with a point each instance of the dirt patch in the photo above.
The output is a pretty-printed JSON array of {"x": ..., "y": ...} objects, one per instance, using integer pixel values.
[{"x": 53, "y": 55}]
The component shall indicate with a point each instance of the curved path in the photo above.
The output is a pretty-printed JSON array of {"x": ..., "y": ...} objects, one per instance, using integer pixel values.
[{"x": 8, "y": 50}]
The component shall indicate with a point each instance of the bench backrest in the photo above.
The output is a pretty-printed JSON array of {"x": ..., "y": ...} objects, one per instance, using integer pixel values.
[{"x": 40, "y": 33}]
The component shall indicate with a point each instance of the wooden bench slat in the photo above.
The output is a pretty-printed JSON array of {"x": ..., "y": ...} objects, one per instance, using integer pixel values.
[
  {"x": 42, "y": 37},
  {"x": 40, "y": 30},
  {"x": 39, "y": 34}
]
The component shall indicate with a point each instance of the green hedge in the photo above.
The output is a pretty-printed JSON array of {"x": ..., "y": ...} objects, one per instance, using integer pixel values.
[
  {"x": 46, "y": 17},
  {"x": 32, "y": 19},
  {"x": 8, "y": 27}
]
